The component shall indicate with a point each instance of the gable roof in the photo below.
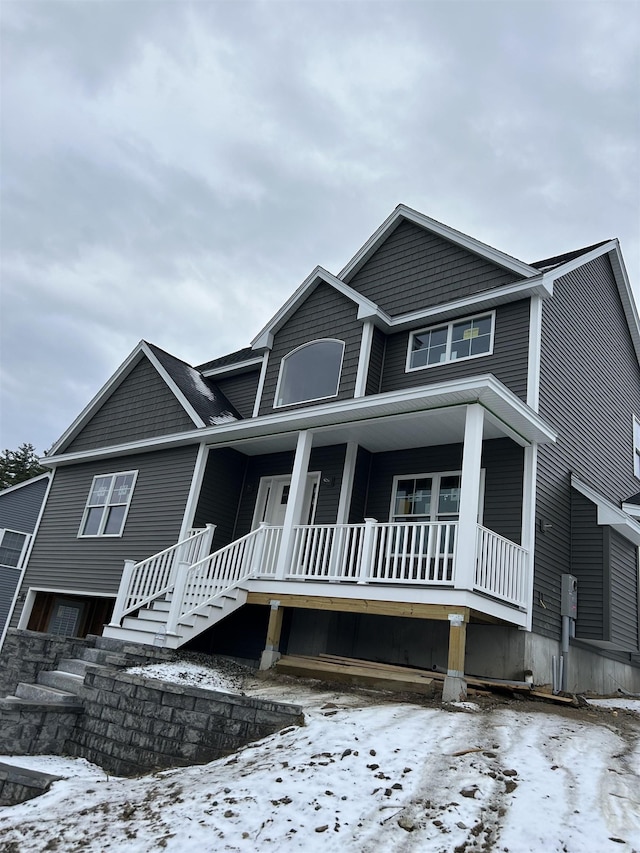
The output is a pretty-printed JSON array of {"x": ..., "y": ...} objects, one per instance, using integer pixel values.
[
  {"x": 203, "y": 402},
  {"x": 233, "y": 358},
  {"x": 550, "y": 263},
  {"x": 29, "y": 482},
  {"x": 366, "y": 308},
  {"x": 402, "y": 212}
]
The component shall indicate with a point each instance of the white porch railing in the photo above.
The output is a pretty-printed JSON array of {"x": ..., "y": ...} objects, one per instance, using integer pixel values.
[
  {"x": 142, "y": 582},
  {"x": 501, "y": 567},
  {"x": 252, "y": 555}
]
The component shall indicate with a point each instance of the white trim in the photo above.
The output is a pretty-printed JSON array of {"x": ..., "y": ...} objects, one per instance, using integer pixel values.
[
  {"x": 608, "y": 513},
  {"x": 261, "y": 381},
  {"x": 449, "y": 327},
  {"x": 635, "y": 440},
  {"x": 436, "y": 475},
  {"x": 186, "y": 405},
  {"x": 502, "y": 403},
  {"x": 631, "y": 509},
  {"x": 105, "y": 515},
  {"x": 363, "y": 358},
  {"x": 457, "y": 237},
  {"x": 296, "y": 500},
  {"x": 231, "y": 369},
  {"x": 34, "y": 590},
  {"x": 346, "y": 488},
  {"x": 366, "y": 308},
  {"x": 469, "y": 495},
  {"x": 528, "y": 534},
  {"x": 23, "y": 551},
  {"x": 265, "y": 493},
  {"x": 194, "y": 490},
  {"x": 23, "y": 484},
  {"x": 534, "y": 354},
  {"x": 284, "y": 359}
]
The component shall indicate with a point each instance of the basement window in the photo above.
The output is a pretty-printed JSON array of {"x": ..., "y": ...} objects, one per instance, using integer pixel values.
[
  {"x": 108, "y": 504},
  {"x": 310, "y": 372},
  {"x": 455, "y": 341}
]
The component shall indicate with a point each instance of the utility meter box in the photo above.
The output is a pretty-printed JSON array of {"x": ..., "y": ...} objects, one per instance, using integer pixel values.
[{"x": 569, "y": 597}]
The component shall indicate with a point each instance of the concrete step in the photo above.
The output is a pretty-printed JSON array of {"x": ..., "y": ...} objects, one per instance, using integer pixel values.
[
  {"x": 45, "y": 694},
  {"x": 76, "y": 666},
  {"x": 65, "y": 681}
]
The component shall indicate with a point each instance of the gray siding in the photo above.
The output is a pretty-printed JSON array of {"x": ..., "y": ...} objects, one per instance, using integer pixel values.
[
  {"x": 590, "y": 389},
  {"x": 325, "y": 313},
  {"x": 376, "y": 361},
  {"x": 588, "y": 566},
  {"x": 140, "y": 407},
  {"x": 414, "y": 269},
  {"x": 9, "y": 579},
  {"x": 328, "y": 460},
  {"x": 508, "y": 363},
  {"x": 19, "y": 508},
  {"x": 60, "y": 560},
  {"x": 623, "y": 565},
  {"x": 501, "y": 458},
  {"x": 220, "y": 494},
  {"x": 240, "y": 391}
]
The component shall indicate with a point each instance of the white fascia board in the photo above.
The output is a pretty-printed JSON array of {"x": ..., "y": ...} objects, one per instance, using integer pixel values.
[
  {"x": 499, "y": 401},
  {"x": 25, "y": 483},
  {"x": 177, "y": 393},
  {"x": 540, "y": 286},
  {"x": 608, "y": 513},
  {"x": 112, "y": 383},
  {"x": 366, "y": 308},
  {"x": 457, "y": 237},
  {"x": 631, "y": 509},
  {"x": 232, "y": 369}
]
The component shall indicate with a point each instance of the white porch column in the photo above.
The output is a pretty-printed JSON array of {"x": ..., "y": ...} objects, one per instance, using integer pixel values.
[
  {"x": 469, "y": 497},
  {"x": 293, "y": 515},
  {"x": 528, "y": 536}
]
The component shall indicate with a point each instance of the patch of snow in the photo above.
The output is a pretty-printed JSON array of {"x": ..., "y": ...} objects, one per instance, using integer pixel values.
[
  {"x": 57, "y": 765},
  {"x": 191, "y": 675},
  {"x": 465, "y": 706},
  {"x": 625, "y": 703}
]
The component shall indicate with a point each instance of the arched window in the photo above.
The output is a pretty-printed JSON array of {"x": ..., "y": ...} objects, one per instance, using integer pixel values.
[{"x": 310, "y": 372}]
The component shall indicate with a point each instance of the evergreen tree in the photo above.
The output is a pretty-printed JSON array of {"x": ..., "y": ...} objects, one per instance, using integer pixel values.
[{"x": 19, "y": 465}]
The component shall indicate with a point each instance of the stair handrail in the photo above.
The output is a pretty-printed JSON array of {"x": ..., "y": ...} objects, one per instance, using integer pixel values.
[
  {"x": 227, "y": 572},
  {"x": 145, "y": 581}
]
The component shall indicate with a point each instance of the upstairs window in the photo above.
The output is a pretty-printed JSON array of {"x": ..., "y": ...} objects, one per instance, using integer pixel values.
[
  {"x": 636, "y": 447},
  {"x": 460, "y": 339},
  {"x": 12, "y": 548},
  {"x": 310, "y": 372},
  {"x": 108, "y": 503}
]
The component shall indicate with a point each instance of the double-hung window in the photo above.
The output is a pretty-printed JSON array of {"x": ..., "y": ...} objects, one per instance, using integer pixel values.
[
  {"x": 108, "y": 503},
  {"x": 636, "y": 447},
  {"x": 12, "y": 547},
  {"x": 454, "y": 341}
]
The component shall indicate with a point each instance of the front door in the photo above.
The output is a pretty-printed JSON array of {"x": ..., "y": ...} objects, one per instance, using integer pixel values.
[{"x": 273, "y": 497}]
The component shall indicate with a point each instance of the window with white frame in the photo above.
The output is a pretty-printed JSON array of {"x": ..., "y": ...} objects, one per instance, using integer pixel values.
[
  {"x": 471, "y": 337},
  {"x": 310, "y": 372},
  {"x": 12, "y": 547},
  {"x": 636, "y": 447},
  {"x": 108, "y": 503},
  {"x": 426, "y": 497}
]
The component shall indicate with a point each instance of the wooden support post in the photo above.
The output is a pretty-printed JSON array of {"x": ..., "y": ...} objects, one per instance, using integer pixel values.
[
  {"x": 271, "y": 652},
  {"x": 454, "y": 688}
]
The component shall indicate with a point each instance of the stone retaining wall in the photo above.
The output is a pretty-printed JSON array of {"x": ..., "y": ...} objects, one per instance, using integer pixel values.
[
  {"x": 133, "y": 724},
  {"x": 27, "y": 653},
  {"x": 18, "y": 784},
  {"x": 35, "y": 728}
]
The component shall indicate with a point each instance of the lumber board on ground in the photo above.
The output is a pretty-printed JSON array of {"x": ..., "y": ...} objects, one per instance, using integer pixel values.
[{"x": 362, "y": 676}]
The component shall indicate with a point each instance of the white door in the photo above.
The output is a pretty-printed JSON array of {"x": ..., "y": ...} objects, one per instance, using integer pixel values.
[{"x": 273, "y": 496}]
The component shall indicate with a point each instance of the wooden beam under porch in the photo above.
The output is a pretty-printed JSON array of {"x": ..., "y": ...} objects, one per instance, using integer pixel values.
[{"x": 362, "y": 605}]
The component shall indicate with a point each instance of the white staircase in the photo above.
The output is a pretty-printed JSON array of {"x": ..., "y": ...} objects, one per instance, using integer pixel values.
[{"x": 167, "y": 600}]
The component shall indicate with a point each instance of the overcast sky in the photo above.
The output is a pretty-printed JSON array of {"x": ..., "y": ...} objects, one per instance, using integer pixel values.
[{"x": 173, "y": 170}]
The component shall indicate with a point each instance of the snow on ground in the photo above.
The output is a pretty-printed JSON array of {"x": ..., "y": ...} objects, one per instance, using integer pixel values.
[
  {"x": 192, "y": 675},
  {"x": 367, "y": 774}
]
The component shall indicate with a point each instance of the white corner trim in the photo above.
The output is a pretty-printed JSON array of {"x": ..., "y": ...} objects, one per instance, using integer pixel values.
[
  {"x": 194, "y": 490},
  {"x": 346, "y": 489},
  {"x": 260, "y": 388},
  {"x": 363, "y": 359},
  {"x": 535, "y": 353},
  {"x": 264, "y": 338},
  {"x": 177, "y": 393},
  {"x": 457, "y": 237},
  {"x": 608, "y": 513}
]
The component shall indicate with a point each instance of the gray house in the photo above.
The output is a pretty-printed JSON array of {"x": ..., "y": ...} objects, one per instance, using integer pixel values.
[
  {"x": 431, "y": 458},
  {"x": 20, "y": 508}
]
